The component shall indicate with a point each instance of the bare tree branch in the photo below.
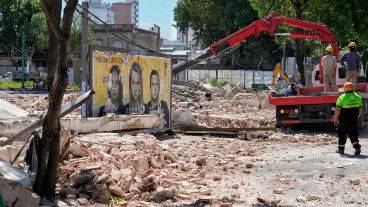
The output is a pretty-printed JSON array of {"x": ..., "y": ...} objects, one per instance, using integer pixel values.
[
  {"x": 68, "y": 15},
  {"x": 51, "y": 20}
]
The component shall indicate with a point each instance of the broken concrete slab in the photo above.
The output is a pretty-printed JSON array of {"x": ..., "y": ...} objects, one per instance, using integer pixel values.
[
  {"x": 15, "y": 187},
  {"x": 11, "y": 126},
  {"x": 65, "y": 109},
  {"x": 9, "y": 152},
  {"x": 249, "y": 102},
  {"x": 179, "y": 118},
  {"x": 7, "y": 171},
  {"x": 8, "y": 110},
  {"x": 110, "y": 124},
  {"x": 17, "y": 195}
]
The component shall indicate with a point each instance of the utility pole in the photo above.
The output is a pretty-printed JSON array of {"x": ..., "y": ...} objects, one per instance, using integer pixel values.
[
  {"x": 23, "y": 56},
  {"x": 84, "y": 55}
]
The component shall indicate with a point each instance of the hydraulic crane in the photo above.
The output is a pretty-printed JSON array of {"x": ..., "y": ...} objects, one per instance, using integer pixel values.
[
  {"x": 312, "y": 106},
  {"x": 269, "y": 25}
]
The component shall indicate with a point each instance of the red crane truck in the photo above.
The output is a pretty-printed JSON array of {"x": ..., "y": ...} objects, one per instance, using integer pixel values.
[{"x": 312, "y": 106}]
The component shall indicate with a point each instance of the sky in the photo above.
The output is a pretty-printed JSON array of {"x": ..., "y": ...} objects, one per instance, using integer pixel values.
[{"x": 158, "y": 12}]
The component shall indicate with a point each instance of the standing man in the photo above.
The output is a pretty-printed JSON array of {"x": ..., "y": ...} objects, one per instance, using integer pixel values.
[
  {"x": 352, "y": 62},
  {"x": 329, "y": 64},
  {"x": 348, "y": 111},
  {"x": 155, "y": 105}
]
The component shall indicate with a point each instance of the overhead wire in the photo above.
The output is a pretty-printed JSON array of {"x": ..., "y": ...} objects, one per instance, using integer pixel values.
[{"x": 212, "y": 57}]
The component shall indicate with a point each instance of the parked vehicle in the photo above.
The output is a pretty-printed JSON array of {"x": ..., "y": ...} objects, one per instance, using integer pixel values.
[{"x": 6, "y": 77}]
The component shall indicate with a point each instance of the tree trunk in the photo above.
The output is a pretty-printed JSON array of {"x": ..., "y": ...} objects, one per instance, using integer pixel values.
[
  {"x": 53, "y": 44},
  {"x": 49, "y": 156},
  {"x": 53, "y": 130},
  {"x": 50, "y": 142},
  {"x": 299, "y": 56}
]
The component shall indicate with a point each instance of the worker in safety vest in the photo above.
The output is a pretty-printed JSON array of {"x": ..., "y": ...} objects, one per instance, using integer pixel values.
[
  {"x": 329, "y": 64},
  {"x": 352, "y": 62},
  {"x": 348, "y": 111}
]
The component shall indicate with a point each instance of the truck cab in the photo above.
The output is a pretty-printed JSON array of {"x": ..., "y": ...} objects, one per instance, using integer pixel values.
[{"x": 340, "y": 76}]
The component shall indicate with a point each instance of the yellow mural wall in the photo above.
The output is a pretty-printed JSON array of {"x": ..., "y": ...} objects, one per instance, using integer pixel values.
[{"x": 113, "y": 82}]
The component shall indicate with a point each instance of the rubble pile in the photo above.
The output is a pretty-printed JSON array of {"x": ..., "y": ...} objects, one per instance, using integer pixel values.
[
  {"x": 141, "y": 169},
  {"x": 316, "y": 139},
  {"x": 191, "y": 92},
  {"x": 235, "y": 117},
  {"x": 133, "y": 171},
  {"x": 242, "y": 111},
  {"x": 35, "y": 104}
]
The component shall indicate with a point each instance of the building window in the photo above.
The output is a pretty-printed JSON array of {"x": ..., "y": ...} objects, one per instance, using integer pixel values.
[
  {"x": 117, "y": 43},
  {"x": 99, "y": 42}
]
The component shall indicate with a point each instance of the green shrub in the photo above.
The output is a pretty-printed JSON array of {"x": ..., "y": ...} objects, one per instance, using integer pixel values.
[
  {"x": 15, "y": 85},
  {"x": 115, "y": 201},
  {"x": 75, "y": 88},
  {"x": 218, "y": 84},
  {"x": 204, "y": 79},
  {"x": 28, "y": 84}
]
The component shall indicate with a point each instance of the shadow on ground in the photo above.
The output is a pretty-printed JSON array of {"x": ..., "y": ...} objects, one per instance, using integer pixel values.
[{"x": 361, "y": 157}]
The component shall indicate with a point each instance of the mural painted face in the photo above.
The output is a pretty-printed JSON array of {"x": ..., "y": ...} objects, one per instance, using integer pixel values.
[
  {"x": 114, "y": 86},
  {"x": 136, "y": 86},
  {"x": 155, "y": 87}
]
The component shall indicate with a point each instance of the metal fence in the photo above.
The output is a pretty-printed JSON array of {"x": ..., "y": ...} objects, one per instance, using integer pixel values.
[
  {"x": 7, "y": 68},
  {"x": 243, "y": 78}
]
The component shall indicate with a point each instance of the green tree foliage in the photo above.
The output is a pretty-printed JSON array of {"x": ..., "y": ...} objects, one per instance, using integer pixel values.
[
  {"x": 347, "y": 19},
  {"x": 38, "y": 35},
  {"x": 294, "y": 9},
  {"x": 16, "y": 17},
  {"x": 212, "y": 20},
  {"x": 76, "y": 34},
  {"x": 27, "y": 16}
]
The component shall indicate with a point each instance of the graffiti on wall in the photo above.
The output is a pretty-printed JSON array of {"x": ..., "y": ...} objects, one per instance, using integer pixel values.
[{"x": 131, "y": 84}]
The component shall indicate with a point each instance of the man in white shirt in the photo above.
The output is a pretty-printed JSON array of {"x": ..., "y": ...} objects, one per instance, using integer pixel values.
[{"x": 329, "y": 64}]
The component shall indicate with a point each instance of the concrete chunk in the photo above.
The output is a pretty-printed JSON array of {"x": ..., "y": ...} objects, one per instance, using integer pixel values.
[
  {"x": 109, "y": 124},
  {"x": 8, "y": 110},
  {"x": 15, "y": 187}
]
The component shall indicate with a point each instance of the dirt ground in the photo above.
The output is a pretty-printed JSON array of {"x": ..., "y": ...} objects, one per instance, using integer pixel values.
[{"x": 284, "y": 169}]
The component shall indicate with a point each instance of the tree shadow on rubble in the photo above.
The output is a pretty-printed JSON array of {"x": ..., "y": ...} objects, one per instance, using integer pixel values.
[
  {"x": 212, "y": 202},
  {"x": 166, "y": 137},
  {"x": 263, "y": 205},
  {"x": 311, "y": 128}
]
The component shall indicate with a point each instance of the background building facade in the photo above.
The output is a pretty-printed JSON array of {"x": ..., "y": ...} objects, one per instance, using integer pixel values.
[
  {"x": 102, "y": 10},
  {"x": 126, "y": 12}
]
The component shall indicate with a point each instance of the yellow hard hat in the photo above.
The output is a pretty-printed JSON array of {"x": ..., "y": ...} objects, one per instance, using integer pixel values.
[
  {"x": 348, "y": 86},
  {"x": 329, "y": 49},
  {"x": 352, "y": 44}
]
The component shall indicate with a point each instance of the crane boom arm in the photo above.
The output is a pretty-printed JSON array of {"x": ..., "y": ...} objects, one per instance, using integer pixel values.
[{"x": 269, "y": 25}]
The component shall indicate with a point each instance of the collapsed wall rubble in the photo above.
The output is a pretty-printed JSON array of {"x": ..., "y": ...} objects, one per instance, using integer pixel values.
[{"x": 131, "y": 170}]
